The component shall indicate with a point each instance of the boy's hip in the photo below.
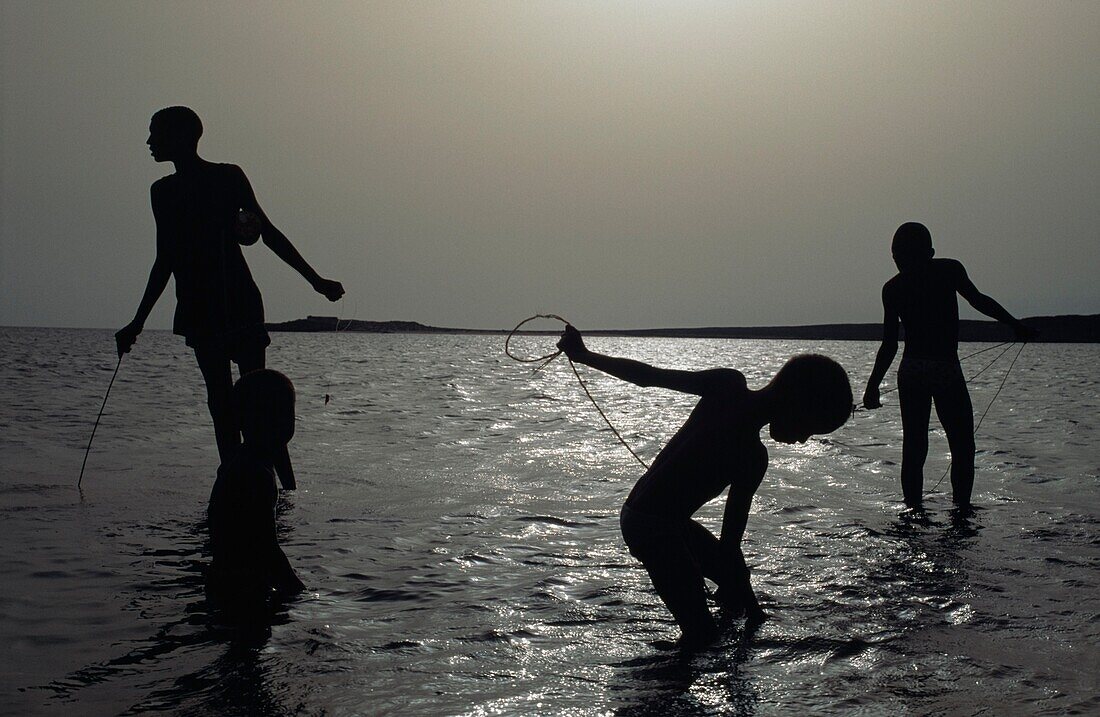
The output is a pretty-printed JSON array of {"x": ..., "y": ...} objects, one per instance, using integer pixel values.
[
  {"x": 930, "y": 374},
  {"x": 640, "y": 528}
]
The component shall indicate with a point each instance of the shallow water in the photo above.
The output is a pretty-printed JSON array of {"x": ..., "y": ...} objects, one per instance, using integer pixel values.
[{"x": 457, "y": 527}]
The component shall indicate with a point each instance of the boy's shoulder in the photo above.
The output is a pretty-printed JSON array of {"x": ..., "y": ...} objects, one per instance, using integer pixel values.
[
  {"x": 952, "y": 266},
  {"x": 164, "y": 184},
  {"x": 724, "y": 380}
]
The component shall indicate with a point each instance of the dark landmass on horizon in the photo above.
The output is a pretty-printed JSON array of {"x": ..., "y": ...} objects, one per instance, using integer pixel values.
[{"x": 1068, "y": 328}]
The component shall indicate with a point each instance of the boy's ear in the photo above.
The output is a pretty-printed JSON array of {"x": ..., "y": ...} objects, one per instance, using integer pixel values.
[{"x": 931, "y": 252}]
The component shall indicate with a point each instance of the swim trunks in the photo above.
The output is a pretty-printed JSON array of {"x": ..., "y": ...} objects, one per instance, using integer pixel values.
[{"x": 930, "y": 374}]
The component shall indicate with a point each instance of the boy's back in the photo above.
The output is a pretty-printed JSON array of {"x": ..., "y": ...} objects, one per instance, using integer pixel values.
[
  {"x": 241, "y": 517},
  {"x": 925, "y": 299}
]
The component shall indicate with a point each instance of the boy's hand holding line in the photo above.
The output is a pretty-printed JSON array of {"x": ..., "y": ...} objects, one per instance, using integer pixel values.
[
  {"x": 871, "y": 398},
  {"x": 125, "y": 338},
  {"x": 571, "y": 343}
]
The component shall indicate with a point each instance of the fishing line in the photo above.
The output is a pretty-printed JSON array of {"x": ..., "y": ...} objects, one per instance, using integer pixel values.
[
  {"x": 545, "y": 360},
  {"x": 336, "y": 330},
  {"x": 94, "y": 427},
  {"x": 998, "y": 393}
]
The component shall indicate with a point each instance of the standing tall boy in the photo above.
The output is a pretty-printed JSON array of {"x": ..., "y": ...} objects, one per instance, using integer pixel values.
[
  {"x": 922, "y": 298},
  {"x": 204, "y": 212}
]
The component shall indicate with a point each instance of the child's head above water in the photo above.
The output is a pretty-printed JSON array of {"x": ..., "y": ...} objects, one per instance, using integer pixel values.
[
  {"x": 813, "y": 396},
  {"x": 264, "y": 401},
  {"x": 912, "y": 245}
]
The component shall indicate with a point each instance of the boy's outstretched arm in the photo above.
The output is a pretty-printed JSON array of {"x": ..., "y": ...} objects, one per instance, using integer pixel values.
[
  {"x": 638, "y": 373},
  {"x": 154, "y": 287},
  {"x": 989, "y": 306},
  {"x": 886, "y": 352},
  {"x": 278, "y": 243},
  {"x": 734, "y": 520}
]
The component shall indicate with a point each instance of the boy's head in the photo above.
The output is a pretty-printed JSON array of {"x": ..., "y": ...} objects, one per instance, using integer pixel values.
[
  {"x": 912, "y": 245},
  {"x": 814, "y": 396},
  {"x": 174, "y": 132},
  {"x": 264, "y": 401}
]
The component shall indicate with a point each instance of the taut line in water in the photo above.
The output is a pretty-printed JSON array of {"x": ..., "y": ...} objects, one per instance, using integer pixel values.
[{"x": 103, "y": 406}]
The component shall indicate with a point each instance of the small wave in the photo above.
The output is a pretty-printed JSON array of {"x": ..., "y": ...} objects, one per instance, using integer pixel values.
[
  {"x": 399, "y": 645},
  {"x": 390, "y": 595},
  {"x": 550, "y": 520},
  {"x": 501, "y": 636}
]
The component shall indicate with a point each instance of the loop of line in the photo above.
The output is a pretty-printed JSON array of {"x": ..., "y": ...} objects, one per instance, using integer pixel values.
[{"x": 545, "y": 360}]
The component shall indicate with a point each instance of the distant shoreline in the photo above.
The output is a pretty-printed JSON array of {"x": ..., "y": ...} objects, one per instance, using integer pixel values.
[{"x": 1068, "y": 328}]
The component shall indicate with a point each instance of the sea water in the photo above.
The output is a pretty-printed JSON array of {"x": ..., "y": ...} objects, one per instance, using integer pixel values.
[{"x": 457, "y": 527}]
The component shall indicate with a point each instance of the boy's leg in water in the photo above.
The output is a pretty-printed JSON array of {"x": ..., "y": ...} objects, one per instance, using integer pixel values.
[
  {"x": 254, "y": 359},
  {"x": 956, "y": 415},
  {"x": 678, "y": 580},
  {"x": 214, "y": 364},
  {"x": 916, "y": 408},
  {"x": 707, "y": 551}
]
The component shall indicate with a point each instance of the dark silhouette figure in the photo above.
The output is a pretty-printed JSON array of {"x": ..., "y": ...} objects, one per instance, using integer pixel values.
[
  {"x": 718, "y": 446},
  {"x": 248, "y": 564},
  {"x": 204, "y": 212},
  {"x": 922, "y": 297}
]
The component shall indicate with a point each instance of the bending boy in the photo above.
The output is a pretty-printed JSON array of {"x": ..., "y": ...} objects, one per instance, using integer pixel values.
[
  {"x": 922, "y": 297},
  {"x": 718, "y": 446},
  {"x": 204, "y": 212}
]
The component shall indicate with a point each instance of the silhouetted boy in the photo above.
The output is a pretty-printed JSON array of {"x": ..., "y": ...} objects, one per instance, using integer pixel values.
[
  {"x": 248, "y": 564},
  {"x": 922, "y": 297},
  {"x": 204, "y": 212},
  {"x": 719, "y": 445}
]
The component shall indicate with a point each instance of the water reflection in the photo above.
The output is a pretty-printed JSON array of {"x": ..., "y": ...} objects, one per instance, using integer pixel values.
[
  {"x": 672, "y": 682},
  {"x": 235, "y": 674}
]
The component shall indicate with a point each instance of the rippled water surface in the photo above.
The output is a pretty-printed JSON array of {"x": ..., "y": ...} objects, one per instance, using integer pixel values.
[{"x": 457, "y": 527}]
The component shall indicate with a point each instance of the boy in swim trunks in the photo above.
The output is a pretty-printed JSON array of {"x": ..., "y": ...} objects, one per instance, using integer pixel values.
[
  {"x": 922, "y": 297},
  {"x": 204, "y": 212},
  {"x": 718, "y": 446}
]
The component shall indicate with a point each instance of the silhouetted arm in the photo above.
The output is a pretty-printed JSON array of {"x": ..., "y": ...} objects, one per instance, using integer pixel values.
[
  {"x": 734, "y": 520},
  {"x": 887, "y": 350},
  {"x": 642, "y": 374},
  {"x": 154, "y": 287},
  {"x": 988, "y": 306},
  {"x": 278, "y": 243}
]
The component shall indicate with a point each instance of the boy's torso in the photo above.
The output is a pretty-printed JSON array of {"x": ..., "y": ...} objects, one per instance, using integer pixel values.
[
  {"x": 925, "y": 300},
  {"x": 215, "y": 292},
  {"x": 713, "y": 449},
  {"x": 241, "y": 514}
]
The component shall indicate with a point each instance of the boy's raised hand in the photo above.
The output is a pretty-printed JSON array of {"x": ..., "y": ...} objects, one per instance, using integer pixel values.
[{"x": 571, "y": 343}]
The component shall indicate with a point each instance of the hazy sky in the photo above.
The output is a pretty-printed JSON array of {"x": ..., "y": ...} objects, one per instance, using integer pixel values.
[{"x": 626, "y": 164}]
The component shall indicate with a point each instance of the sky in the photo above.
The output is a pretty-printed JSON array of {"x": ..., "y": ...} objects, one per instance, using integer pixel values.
[{"x": 624, "y": 164}]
